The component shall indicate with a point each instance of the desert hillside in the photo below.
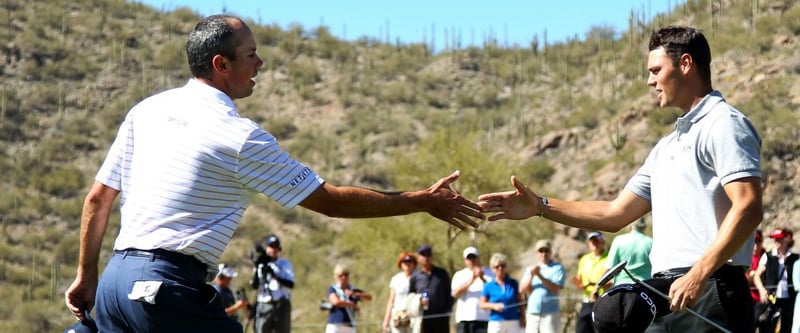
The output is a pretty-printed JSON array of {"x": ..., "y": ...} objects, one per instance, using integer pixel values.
[{"x": 572, "y": 120}]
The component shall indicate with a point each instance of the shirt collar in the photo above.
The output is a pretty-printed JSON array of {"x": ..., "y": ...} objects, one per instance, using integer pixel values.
[
  {"x": 684, "y": 123},
  {"x": 212, "y": 94},
  {"x": 775, "y": 252}
]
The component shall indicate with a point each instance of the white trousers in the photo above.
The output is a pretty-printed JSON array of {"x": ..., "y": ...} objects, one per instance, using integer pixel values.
[
  {"x": 542, "y": 323},
  {"x": 505, "y": 326},
  {"x": 339, "y": 328}
]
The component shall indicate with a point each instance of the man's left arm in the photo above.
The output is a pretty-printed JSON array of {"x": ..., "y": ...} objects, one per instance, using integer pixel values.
[{"x": 739, "y": 223}]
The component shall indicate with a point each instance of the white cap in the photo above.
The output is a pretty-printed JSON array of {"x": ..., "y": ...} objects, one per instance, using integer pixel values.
[
  {"x": 470, "y": 250},
  {"x": 595, "y": 234},
  {"x": 227, "y": 271}
]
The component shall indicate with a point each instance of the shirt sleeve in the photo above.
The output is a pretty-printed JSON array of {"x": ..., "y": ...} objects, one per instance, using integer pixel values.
[
  {"x": 733, "y": 148},
  {"x": 612, "y": 255},
  {"x": 266, "y": 168},
  {"x": 639, "y": 184},
  {"x": 796, "y": 277},
  {"x": 763, "y": 260},
  {"x": 287, "y": 271},
  {"x": 485, "y": 292},
  {"x": 110, "y": 173},
  {"x": 559, "y": 276},
  {"x": 457, "y": 280}
]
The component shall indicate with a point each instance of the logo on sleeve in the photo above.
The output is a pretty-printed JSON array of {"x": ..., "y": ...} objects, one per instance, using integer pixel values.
[{"x": 300, "y": 177}]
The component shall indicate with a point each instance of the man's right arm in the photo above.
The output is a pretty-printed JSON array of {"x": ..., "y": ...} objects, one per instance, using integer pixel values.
[
  {"x": 521, "y": 203},
  {"x": 94, "y": 221}
]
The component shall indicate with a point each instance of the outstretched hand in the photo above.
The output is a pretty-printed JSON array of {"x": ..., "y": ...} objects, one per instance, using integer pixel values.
[
  {"x": 519, "y": 204},
  {"x": 449, "y": 206}
]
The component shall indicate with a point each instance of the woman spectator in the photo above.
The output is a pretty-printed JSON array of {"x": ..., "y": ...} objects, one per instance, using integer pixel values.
[
  {"x": 396, "y": 307},
  {"x": 774, "y": 277},
  {"x": 344, "y": 300},
  {"x": 503, "y": 298},
  {"x": 758, "y": 251}
]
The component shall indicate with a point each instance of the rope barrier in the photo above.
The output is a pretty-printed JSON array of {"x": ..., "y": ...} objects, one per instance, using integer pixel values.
[{"x": 358, "y": 323}]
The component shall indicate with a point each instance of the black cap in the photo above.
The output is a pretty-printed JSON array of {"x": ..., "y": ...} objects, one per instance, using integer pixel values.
[
  {"x": 629, "y": 308},
  {"x": 425, "y": 249},
  {"x": 273, "y": 241}
]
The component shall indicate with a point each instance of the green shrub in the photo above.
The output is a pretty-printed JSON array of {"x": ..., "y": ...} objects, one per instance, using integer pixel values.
[
  {"x": 399, "y": 93},
  {"x": 171, "y": 55},
  {"x": 304, "y": 73},
  {"x": 60, "y": 181},
  {"x": 791, "y": 20}
]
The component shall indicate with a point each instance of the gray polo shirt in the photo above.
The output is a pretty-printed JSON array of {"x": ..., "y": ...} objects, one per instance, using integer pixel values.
[{"x": 683, "y": 178}]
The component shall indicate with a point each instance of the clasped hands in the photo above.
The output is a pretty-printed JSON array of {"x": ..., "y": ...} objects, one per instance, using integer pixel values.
[{"x": 519, "y": 204}]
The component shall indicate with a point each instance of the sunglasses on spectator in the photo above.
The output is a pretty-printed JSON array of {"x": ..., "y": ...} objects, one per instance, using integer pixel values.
[{"x": 499, "y": 266}]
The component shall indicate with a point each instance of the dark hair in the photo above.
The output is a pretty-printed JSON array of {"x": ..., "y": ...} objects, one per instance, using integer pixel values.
[
  {"x": 211, "y": 36},
  {"x": 678, "y": 40}
]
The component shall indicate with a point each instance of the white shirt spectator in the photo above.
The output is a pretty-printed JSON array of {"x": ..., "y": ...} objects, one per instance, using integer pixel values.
[
  {"x": 400, "y": 283},
  {"x": 467, "y": 306}
]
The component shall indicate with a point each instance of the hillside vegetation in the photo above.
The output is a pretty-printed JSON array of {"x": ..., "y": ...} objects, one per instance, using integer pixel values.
[{"x": 572, "y": 119}]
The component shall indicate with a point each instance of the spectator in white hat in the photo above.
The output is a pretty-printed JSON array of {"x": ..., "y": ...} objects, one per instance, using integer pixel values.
[
  {"x": 466, "y": 286},
  {"x": 222, "y": 284}
]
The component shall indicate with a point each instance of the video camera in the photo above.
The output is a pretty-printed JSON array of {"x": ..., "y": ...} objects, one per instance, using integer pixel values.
[
  {"x": 258, "y": 255},
  {"x": 240, "y": 295}
]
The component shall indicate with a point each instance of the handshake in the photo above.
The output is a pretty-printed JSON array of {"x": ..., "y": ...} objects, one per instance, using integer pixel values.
[{"x": 517, "y": 204}]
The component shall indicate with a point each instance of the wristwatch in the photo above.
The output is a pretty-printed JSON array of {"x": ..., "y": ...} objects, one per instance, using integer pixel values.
[{"x": 544, "y": 203}]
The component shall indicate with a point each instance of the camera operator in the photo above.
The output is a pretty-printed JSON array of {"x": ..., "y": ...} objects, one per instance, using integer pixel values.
[
  {"x": 273, "y": 276},
  {"x": 222, "y": 284}
]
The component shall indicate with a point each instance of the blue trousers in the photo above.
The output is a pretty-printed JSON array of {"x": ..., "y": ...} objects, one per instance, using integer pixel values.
[{"x": 184, "y": 303}]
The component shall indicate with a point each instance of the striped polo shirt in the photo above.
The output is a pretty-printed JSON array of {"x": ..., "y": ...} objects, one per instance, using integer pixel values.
[{"x": 187, "y": 166}]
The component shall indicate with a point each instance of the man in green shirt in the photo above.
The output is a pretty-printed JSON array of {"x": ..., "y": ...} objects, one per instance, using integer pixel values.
[{"x": 633, "y": 247}]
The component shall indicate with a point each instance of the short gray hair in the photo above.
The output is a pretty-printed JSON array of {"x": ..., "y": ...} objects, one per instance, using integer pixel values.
[
  {"x": 211, "y": 36},
  {"x": 497, "y": 258}
]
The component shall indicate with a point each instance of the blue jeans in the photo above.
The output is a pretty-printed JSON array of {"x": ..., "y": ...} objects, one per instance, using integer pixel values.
[{"x": 184, "y": 303}]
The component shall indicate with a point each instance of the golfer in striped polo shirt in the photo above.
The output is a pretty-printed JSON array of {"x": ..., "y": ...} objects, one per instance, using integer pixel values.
[{"x": 185, "y": 165}]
